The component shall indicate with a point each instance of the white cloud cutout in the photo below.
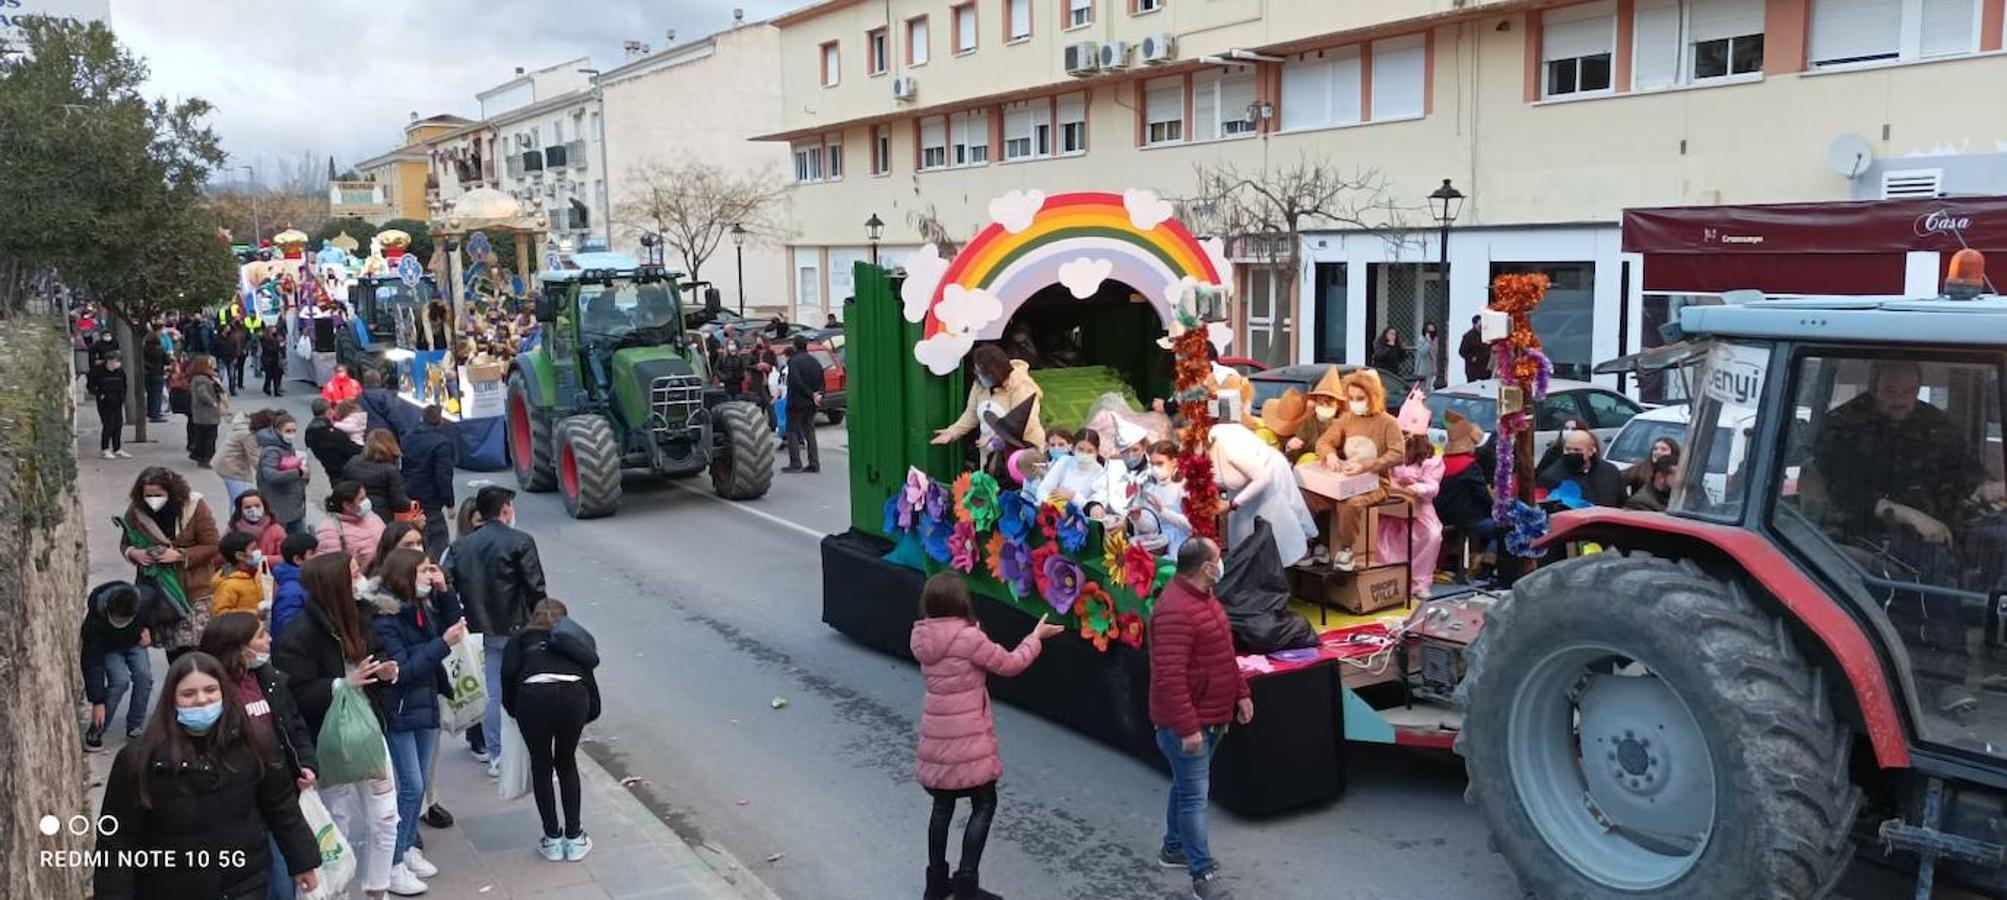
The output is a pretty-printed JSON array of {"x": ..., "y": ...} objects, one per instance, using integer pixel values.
[
  {"x": 967, "y": 309},
  {"x": 943, "y": 352},
  {"x": 1015, "y": 210},
  {"x": 1083, "y": 276},
  {"x": 1174, "y": 295},
  {"x": 924, "y": 268},
  {"x": 1216, "y": 252},
  {"x": 1146, "y": 209},
  {"x": 1221, "y": 334}
]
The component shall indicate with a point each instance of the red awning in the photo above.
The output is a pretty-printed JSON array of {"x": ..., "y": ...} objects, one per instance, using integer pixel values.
[{"x": 1775, "y": 273}]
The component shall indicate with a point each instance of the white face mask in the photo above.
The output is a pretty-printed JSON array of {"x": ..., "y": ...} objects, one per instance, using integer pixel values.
[
  {"x": 360, "y": 585},
  {"x": 425, "y": 589},
  {"x": 363, "y": 508},
  {"x": 1359, "y": 407},
  {"x": 1327, "y": 413},
  {"x": 155, "y": 503},
  {"x": 1084, "y": 455},
  {"x": 254, "y": 514},
  {"x": 1167, "y": 473}
]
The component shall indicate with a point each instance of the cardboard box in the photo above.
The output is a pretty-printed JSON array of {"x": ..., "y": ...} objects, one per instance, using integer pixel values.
[
  {"x": 1317, "y": 479},
  {"x": 1361, "y": 592},
  {"x": 482, "y": 372}
]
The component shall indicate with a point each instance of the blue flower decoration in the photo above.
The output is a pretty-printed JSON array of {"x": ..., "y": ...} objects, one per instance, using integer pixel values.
[
  {"x": 896, "y": 517},
  {"x": 1017, "y": 517},
  {"x": 1072, "y": 528},
  {"x": 934, "y": 535},
  {"x": 1528, "y": 524},
  {"x": 937, "y": 501}
]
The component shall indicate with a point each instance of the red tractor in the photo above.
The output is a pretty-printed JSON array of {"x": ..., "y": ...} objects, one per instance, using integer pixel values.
[{"x": 1805, "y": 655}]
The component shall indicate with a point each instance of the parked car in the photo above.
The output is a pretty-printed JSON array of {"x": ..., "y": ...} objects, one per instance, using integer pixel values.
[
  {"x": 1593, "y": 407},
  {"x": 1243, "y": 364},
  {"x": 825, "y": 346}
]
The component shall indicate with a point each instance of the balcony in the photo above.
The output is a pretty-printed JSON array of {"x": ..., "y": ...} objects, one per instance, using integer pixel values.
[
  {"x": 575, "y": 151},
  {"x": 533, "y": 160},
  {"x": 554, "y": 156}
]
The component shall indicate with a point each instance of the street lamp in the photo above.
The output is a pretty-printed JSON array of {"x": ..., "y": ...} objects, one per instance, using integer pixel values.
[
  {"x": 874, "y": 228},
  {"x": 256, "y": 230},
  {"x": 739, "y": 250},
  {"x": 1446, "y": 202}
]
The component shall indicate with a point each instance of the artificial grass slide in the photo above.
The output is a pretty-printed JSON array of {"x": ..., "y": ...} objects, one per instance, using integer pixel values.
[{"x": 1069, "y": 393}]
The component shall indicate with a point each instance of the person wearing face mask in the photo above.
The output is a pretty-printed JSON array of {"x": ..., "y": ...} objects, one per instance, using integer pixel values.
[
  {"x": 1324, "y": 399},
  {"x": 732, "y": 371},
  {"x": 1077, "y": 479},
  {"x": 282, "y": 473},
  {"x": 500, "y": 578},
  {"x": 380, "y": 471},
  {"x": 240, "y": 642},
  {"x": 237, "y": 460},
  {"x": 1196, "y": 689},
  {"x": 341, "y": 387},
  {"x": 236, "y": 586},
  {"x": 107, "y": 384},
  {"x": 1058, "y": 445},
  {"x": 1162, "y": 499},
  {"x": 1000, "y": 385},
  {"x": 202, "y": 777},
  {"x": 352, "y": 525},
  {"x": 1365, "y": 415},
  {"x": 413, "y": 631},
  {"x": 249, "y": 515},
  {"x": 1123, "y": 478},
  {"x": 1581, "y": 462},
  {"x": 169, "y": 526},
  {"x": 114, "y": 656}
]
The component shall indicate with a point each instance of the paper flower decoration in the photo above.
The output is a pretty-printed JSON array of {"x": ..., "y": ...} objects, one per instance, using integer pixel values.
[
  {"x": 1048, "y": 520},
  {"x": 937, "y": 502},
  {"x": 1010, "y": 563},
  {"x": 960, "y": 492},
  {"x": 1072, "y": 528},
  {"x": 1060, "y": 580},
  {"x": 897, "y": 517},
  {"x": 1038, "y": 556},
  {"x": 914, "y": 494},
  {"x": 962, "y": 547},
  {"x": 934, "y": 539},
  {"x": 1097, "y": 616},
  {"x": 1016, "y": 516},
  {"x": 1112, "y": 547},
  {"x": 979, "y": 501},
  {"x": 1129, "y": 629},
  {"x": 1139, "y": 571}
]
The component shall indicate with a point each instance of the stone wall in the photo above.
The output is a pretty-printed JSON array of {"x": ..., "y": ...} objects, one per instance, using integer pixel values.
[{"x": 42, "y": 572}]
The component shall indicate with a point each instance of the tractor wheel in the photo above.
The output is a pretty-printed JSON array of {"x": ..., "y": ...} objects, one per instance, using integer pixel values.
[
  {"x": 588, "y": 467},
  {"x": 1638, "y": 727},
  {"x": 529, "y": 440},
  {"x": 742, "y": 467}
]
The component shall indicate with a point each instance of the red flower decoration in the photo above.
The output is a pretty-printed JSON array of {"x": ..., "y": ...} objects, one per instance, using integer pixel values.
[
  {"x": 1039, "y": 555},
  {"x": 1129, "y": 629}
]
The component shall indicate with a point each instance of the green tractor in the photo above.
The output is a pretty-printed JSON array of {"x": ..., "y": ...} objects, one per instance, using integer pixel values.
[{"x": 610, "y": 385}]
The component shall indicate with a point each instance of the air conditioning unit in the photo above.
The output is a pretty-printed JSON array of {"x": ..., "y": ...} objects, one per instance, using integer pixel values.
[
  {"x": 1114, "y": 55},
  {"x": 1157, "y": 49},
  {"x": 905, "y": 87},
  {"x": 1083, "y": 58},
  {"x": 1912, "y": 184}
]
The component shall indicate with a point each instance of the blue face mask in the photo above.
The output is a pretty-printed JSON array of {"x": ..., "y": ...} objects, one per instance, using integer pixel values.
[{"x": 199, "y": 719}]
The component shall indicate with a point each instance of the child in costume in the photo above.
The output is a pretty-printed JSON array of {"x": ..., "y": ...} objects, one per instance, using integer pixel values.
[{"x": 1365, "y": 416}]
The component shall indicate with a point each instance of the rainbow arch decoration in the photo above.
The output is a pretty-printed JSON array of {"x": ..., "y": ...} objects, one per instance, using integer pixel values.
[{"x": 1078, "y": 240}]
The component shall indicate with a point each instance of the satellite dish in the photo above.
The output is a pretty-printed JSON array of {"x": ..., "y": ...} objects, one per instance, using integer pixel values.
[{"x": 1849, "y": 155}]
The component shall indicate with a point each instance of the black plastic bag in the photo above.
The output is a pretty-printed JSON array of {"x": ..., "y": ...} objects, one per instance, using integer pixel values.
[{"x": 1255, "y": 592}]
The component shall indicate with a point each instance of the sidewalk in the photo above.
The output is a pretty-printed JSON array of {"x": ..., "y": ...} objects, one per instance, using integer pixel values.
[{"x": 490, "y": 852}]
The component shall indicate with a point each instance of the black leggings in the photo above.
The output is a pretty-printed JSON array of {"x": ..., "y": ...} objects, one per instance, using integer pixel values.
[
  {"x": 275, "y": 377},
  {"x": 551, "y": 717},
  {"x": 975, "y": 835},
  {"x": 111, "y": 417}
]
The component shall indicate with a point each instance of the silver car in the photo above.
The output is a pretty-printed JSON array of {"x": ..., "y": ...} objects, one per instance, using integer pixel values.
[{"x": 1590, "y": 406}]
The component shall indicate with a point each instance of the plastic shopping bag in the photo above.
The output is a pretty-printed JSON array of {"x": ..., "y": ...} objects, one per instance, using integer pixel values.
[
  {"x": 337, "y": 857},
  {"x": 351, "y": 743},
  {"x": 515, "y": 780},
  {"x": 468, "y": 702}
]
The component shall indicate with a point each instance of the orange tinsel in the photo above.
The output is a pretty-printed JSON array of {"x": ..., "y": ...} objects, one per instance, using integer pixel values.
[{"x": 1517, "y": 295}]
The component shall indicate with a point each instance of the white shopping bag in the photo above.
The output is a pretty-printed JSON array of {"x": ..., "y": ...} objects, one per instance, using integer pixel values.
[
  {"x": 337, "y": 857},
  {"x": 468, "y": 700},
  {"x": 515, "y": 780}
]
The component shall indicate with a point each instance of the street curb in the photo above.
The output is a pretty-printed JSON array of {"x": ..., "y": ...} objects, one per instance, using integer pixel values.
[{"x": 715, "y": 869}]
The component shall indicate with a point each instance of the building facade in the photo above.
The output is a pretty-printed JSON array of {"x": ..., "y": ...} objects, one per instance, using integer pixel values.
[
  {"x": 540, "y": 140},
  {"x": 393, "y": 185},
  {"x": 700, "y": 101},
  {"x": 1551, "y": 119}
]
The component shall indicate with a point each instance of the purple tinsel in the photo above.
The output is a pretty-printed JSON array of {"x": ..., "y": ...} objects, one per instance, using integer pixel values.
[
  {"x": 1542, "y": 373},
  {"x": 1503, "y": 478}
]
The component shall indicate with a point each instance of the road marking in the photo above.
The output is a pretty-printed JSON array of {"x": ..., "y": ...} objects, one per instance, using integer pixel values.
[{"x": 777, "y": 520}]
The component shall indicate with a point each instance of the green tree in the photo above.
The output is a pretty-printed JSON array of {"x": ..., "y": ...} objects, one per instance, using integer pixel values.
[{"x": 356, "y": 228}]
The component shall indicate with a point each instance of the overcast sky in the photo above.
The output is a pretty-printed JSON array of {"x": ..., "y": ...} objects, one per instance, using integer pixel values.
[{"x": 287, "y": 80}]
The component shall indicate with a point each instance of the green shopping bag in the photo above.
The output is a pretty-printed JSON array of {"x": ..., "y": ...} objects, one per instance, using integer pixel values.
[{"x": 351, "y": 742}]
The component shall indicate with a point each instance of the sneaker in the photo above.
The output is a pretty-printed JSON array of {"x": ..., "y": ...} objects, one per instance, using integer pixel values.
[
  {"x": 405, "y": 884},
  {"x": 494, "y": 768},
  {"x": 1343, "y": 561},
  {"x": 480, "y": 756},
  {"x": 551, "y": 849},
  {"x": 436, "y": 816},
  {"x": 121, "y": 454},
  {"x": 790, "y": 468},
  {"x": 135, "y": 733},
  {"x": 1207, "y": 887},
  {"x": 94, "y": 738},
  {"x": 109, "y": 455},
  {"x": 1171, "y": 859},
  {"x": 576, "y": 848},
  {"x": 418, "y": 864}
]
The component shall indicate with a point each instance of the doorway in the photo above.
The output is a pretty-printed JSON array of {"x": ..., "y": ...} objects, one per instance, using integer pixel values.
[
  {"x": 1329, "y": 294},
  {"x": 1403, "y": 296},
  {"x": 1270, "y": 329}
]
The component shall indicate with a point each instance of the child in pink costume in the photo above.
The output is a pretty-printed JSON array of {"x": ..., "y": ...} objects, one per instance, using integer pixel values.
[{"x": 1420, "y": 476}]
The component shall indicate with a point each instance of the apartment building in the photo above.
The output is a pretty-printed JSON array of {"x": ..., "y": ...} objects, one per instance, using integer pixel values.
[
  {"x": 394, "y": 184},
  {"x": 540, "y": 140},
  {"x": 699, "y": 101},
  {"x": 1550, "y": 118}
]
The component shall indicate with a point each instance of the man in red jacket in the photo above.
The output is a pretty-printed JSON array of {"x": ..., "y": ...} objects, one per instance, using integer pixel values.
[{"x": 1195, "y": 688}]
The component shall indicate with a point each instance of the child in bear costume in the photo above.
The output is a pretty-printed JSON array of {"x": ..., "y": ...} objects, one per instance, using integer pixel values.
[{"x": 1362, "y": 415}]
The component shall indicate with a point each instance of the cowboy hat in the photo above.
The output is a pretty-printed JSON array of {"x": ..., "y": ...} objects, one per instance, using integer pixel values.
[
  {"x": 1285, "y": 414},
  {"x": 1464, "y": 435},
  {"x": 1330, "y": 387}
]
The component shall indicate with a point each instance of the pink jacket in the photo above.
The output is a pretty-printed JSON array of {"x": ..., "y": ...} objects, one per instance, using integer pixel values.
[
  {"x": 355, "y": 536},
  {"x": 958, "y": 740},
  {"x": 1424, "y": 480}
]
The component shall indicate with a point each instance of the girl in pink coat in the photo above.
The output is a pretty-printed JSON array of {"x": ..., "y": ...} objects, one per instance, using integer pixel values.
[
  {"x": 1420, "y": 476},
  {"x": 958, "y": 741}
]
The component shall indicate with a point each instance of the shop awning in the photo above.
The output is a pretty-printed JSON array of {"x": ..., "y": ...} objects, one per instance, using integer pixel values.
[{"x": 1856, "y": 247}]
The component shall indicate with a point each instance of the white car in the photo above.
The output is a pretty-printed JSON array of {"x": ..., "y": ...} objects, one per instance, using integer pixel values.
[
  {"x": 1591, "y": 406},
  {"x": 1634, "y": 443}
]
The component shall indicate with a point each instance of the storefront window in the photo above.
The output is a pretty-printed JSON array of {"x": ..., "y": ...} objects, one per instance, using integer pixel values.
[{"x": 1566, "y": 319}]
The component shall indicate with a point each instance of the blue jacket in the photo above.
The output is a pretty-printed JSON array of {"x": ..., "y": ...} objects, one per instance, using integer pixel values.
[
  {"x": 411, "y": 703},
  {"x": 428, "y": 467},
  {"x": 288, "y": 598}
]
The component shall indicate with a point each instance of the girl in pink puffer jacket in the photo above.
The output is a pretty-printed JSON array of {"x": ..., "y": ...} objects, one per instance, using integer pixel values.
[{"x": 958, "y": 741}]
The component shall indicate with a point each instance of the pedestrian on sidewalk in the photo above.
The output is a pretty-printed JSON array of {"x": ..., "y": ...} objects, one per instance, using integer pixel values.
[
  {"x": 114, "y": 656},
  {"x": 328, "y": 647},
  {"x": 236, "y": 586},
  {"x": 202, "y": 776},
  {"x": 407, "y": 536},
  {"x": 380, "y": 473},
  {"x": 237, "y": 463},
  {"x": 342, "y": 387},
  {"x": 181, "y": 536},
  {"x": 958, "y": 741},
  {"x": 249, "y": 515},
  {"x": 464, "y": 523},
  {"x": 153, "y": 357},
  {"x": 208, "y": 403},
  {"x": 351, "y": 525},
  {"x": 282, "y": 473},
  {"x": 804, "y": 397},
  {"x": 272, "y": 360},
  {"x": 1475, "y": 351},
  {"x": 235, "y": 347},
  {"x": 396, "y": 536},
  {"x": 549, "y": 688},
  {"x": 429, "y": 457},
  {"x": 1195, "y": 689},
  {"x": 240, "y": 642},
  {"x": 500, "y": 578},
  {"x": 288, "y": 597},
  {"x": 331, "y": 443},
  {"x": 107, "y": 385},
  {"x": 416, "y": 633}
]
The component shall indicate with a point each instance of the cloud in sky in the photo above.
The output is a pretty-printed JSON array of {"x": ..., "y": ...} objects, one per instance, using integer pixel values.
[{"x": 287, "y": 81}]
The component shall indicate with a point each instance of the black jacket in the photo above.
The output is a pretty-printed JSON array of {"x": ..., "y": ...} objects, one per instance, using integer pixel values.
[
  {"x": 272, "y": 351},
  {"x": 429, "y": 456},
  {"x": 411, "y": 704},
  {"x": 732, "y": 372},
  {"x": 1390, "y": 358},
  {"x": 330, "y": 447},
  {"x": 101, "y": 638},
  {"x": 1602, "y": 485},
  {"x": 309, "y": 654},
  {"x": 1465, "y": 498},
  {"x": 224, "y": 813},
  {"x": 107, "y": 386},
  {"x": 567, "y": 649},
  {"x": 153, "y": 356},
  {"x": 386, "y": 411},
  {"x": 289, "y": 728},
  {"x": 1476, "y": 355},
  {"x": 384, "y": 481},
  {"x": 804, "y": 381},
  {"x": 498, "y": 576}
]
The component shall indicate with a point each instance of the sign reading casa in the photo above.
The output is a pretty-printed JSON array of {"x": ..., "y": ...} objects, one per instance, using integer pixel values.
[{"x": 12, "y": 12}]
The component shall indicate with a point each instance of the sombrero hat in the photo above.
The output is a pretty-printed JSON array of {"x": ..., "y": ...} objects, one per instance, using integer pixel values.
[
  {"x": 1331, "y": 386},
  {"x": 1283, "y": 415}
]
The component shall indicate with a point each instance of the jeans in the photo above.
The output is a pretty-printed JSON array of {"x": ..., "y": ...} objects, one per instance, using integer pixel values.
[
  {"x": 975, "y": 834},
  {"x": 282, "y": 881},
  {"x": 492, "y": 648},
  {"x": 552, "y": 717},
  {"x": 128, "y": 668},
  {"x": 366, "y": 813},
  {"x": 411, "y": 759},
  {"x": 1185, "y": 815},
  {"x": 236, "y": 489},
  {"x": 156, "y": 397},
  {"x": 235, "y": 371}
]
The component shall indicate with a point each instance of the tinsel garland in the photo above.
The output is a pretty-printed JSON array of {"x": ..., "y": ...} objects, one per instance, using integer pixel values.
[
  {"x": 1193, "y": 371},
  {"x": 1520, "y": 358}
]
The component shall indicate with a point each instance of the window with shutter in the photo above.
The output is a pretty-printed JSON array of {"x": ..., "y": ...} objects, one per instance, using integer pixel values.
[
  {"x": 881, "y": 150},
  {"x": 969, "y": 138},
  {"x": 834, "y": 150},
  {"x": 1852, "y": 31},
  {"x": 1017, "y": 15},
  {"x": 1655, "y": 45},
  {"x": 1079, "y": 13},
  {"x": 1948, "y": 28},
  {"x": 1164, "y": 110},
  {"x": 808, "y": 162},
  {"x": 1320, "y": 90},
  {"x": 1577, "y": 45},
  {"x": 933, "y": 143},
  {"x": 1073, "y": 123},
  {"x": 1726, "y": 37},
  {"x": 1398, "y": 77},
  {"x": 878, "y": 50},
  {"x": 916, "y": 42},
  {"x": 965, "y": 28},
  {"x": 832, "y": 65},
  {"x": 1027, "y": 130}
]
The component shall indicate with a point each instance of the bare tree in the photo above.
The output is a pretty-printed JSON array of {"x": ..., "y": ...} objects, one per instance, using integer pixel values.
[
  {"x": 933, "y": 231},
  {"x": 694, "y": 205},
  {"x": 275, "y": 210}
]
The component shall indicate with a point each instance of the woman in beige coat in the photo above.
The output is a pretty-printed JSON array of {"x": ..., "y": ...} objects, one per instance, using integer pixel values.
[{"x": 1001, "y": 384}]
